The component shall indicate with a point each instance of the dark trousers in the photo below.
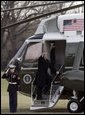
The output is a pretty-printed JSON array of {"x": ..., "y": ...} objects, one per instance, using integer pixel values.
[
  {"x": 13, "y": 101},
  {"x": 39, "y": 92}
]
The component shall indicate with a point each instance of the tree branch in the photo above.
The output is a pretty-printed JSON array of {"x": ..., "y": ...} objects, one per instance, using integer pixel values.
[{"x": 40, "y": 16}]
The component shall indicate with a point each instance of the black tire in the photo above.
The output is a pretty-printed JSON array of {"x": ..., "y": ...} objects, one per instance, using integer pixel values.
[{"x": 73, "y": 106}]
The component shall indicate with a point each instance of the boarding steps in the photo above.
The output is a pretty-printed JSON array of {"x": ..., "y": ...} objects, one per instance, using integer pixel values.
[{"x": 48, "y": 101}]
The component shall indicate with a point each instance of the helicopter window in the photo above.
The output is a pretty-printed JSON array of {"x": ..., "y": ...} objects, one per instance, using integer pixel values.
[
  {"x": 82, "y": 59},
  {"x": 67, "y": 22},
  {"x": 83, "y": 56},
  {"x": 79, "y": 32},
  {"x": 38, "y": 36},
  {"x": 33, "y": 52},
  {"x": 71, "y": 49},
  {"x": 69, "y": 59}
]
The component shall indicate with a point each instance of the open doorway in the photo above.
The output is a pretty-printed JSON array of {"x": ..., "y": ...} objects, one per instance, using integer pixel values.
[{"x": 55, "y": 53}]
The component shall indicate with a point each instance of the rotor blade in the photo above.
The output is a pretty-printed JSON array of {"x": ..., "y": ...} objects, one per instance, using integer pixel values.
[{"x": 43, "y": 15}]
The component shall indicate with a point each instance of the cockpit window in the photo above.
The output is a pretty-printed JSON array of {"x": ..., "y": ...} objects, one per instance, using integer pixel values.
[{"x": 32, "y": 54}]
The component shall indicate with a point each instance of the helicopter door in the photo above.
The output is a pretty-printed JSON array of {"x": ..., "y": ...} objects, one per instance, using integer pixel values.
[
  {"x": 51, "y": 98},
  {"x": 29, "y": 65}
]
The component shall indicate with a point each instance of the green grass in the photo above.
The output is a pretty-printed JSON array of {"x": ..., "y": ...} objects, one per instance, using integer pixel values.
[{"x": 4, "y": 85}]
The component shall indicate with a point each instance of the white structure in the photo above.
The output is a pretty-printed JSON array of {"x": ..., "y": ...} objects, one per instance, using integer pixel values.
[{"x": 69, "y": 25}]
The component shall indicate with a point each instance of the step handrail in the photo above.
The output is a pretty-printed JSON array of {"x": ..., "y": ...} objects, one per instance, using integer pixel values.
[
  {"x": 54, "y": 80},
  {"x": 57, "y": 73}
]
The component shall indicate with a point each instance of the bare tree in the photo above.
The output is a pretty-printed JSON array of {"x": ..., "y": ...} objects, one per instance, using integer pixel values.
[{"x": 17, "y": 34}]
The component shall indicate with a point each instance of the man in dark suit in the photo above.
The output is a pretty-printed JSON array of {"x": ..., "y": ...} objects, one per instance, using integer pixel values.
[
  {"x": 52, "y": 58},
  {"x": 42, "y": 77}
]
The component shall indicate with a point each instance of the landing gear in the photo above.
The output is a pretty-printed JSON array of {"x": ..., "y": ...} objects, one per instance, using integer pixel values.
[
  {"x": 74, "y": 106},
  {"x": 82, "y": 104}
]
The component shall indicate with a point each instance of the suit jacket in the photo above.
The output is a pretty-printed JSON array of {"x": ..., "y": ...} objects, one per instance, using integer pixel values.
[{"x": 42, "y": 75}]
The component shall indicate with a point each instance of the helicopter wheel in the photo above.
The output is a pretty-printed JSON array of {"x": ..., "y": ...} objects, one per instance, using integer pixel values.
[{"x": 73, "y": 106}]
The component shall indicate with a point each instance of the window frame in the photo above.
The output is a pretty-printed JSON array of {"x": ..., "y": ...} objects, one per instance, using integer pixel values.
[
  {"x": 67, "y": 22},
  {"x": 31, "y": 42}
]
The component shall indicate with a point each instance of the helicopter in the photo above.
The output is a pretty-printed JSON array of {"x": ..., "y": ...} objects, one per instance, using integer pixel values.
[{"x": 66, "y": 32}]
